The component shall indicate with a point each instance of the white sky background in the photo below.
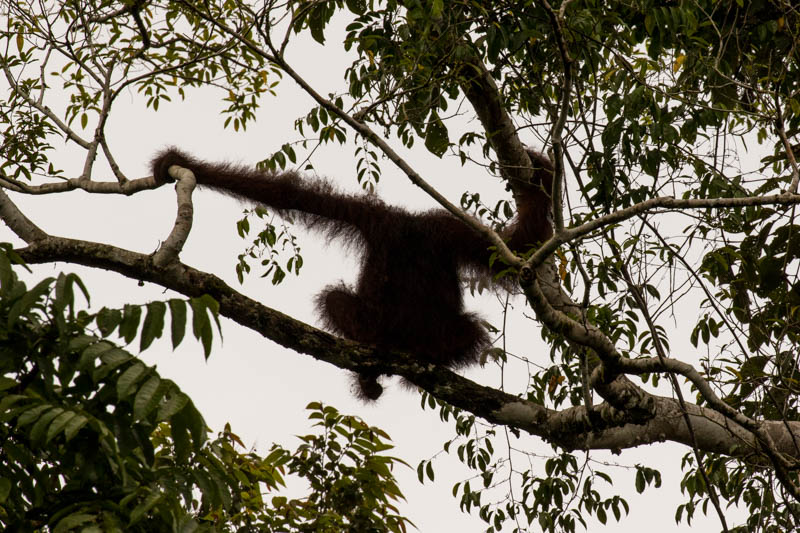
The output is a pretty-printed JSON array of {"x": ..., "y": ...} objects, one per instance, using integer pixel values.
[{"x": 256, "y": 385}]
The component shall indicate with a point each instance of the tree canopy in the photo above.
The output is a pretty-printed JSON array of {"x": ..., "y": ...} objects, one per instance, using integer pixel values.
[{"x": 669, "y": 293}]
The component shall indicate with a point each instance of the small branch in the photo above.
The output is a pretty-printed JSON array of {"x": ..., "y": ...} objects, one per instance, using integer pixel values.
[
  {"x": 91, "y": 153},
  {"x": 99, "y": 187},
  {"x": 42, "y": 75},
  {"x": 172, "y": 247},
  {"x": 12, "y": 184},
  {"x": 121, "y": 178},
  {"x": 662, "y": 202},
  {"x": 110, "y": 16},
  {"x": 563, "y": 9},
  {"x": 43, "y": 109},
  {"x": 134, "y": 9},
  {"x": 781, "y": 130},
  {"x": 638, "y": 297},
  {"x": 557, "y": 23}
]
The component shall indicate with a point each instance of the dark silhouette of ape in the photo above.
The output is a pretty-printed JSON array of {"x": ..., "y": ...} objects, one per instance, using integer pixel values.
[{"x": 408, "y": 296}]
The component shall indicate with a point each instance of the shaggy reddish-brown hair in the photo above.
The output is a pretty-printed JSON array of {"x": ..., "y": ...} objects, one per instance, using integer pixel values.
[{"x": 408, "y": 296}]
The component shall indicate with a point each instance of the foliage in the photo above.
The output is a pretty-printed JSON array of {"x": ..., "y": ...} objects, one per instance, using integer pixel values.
[
  {"x": 352, "y": 486},
  {"x": 95, "y": 440}
]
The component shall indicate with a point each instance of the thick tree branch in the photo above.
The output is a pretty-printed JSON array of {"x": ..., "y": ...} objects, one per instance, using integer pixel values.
[
  {"x": 486, "y": 99},
  {"x": 549, "y": 297},
  {"x": 493, "y": 405},
  {"x": 714, "y": 433},
  {"x": 602, "y": 426}
]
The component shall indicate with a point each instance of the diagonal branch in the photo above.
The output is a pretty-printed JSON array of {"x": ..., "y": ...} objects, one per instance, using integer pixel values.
[
  {"x": 43, "y": 109},
  {"x": 638, "y": 297},
  {"x": 275, "y": 57}
]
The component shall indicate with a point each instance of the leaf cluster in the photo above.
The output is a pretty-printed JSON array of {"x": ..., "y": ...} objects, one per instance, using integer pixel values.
[{"x": 95, "y": 440}]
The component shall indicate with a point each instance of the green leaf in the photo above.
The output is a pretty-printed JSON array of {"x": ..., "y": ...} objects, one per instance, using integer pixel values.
[
  {"x": 436, "y": 138},
  {"x": 147, "y": 398},
  {"x": 177, "y": 309},
  {"x": 180, "y": 436},
  {"x": 74, "y": 426},
  {"x": 31, "y": 414},
  {"x": 59, "y": 424},
  {"x": 7, "y": 383},
  {"x": 175, "y": 403},
  {"x": 639, "y": 481},
  {"x": 131, "y": 315},
  {"x": 127, "y": 381},
  {"x": 201, "y": 325},
  {"x": 356, "y": 6},
  {"x": 213, "y": 306},
  {"x": 142, "y": 509},
  {"x": 72, "y": 521},
  {"x": 429, "y": 470},
  {"x": 111, "y": 359},
  {"x": 207, "y": 487},
  {"x": 437, "y": 7},
  {"x": 601, "y": 515},
  {"x": 8, "y": 401},
  {"x": 5, "y": 489},
  {"x": 24, "y": 304},
  {"x": 753, "y": 367},
  {"x": 107, "y": 320},
  {"x": 81, "y": 342},
  {"x": 153, "y": 325},
  {"x": 93, "y": 352},
  {"x": 196, "y": 424},
  {"x": 65, "y": 296},
  {"x": 39, "y": 429}
]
